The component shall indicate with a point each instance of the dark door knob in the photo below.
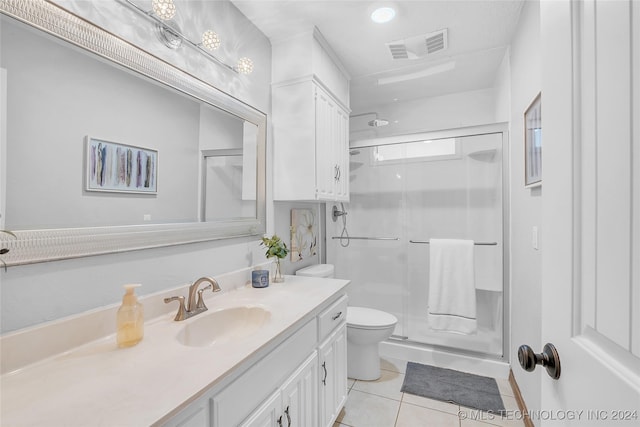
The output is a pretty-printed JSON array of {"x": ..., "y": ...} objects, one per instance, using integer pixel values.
[{"x": 549, "y": 358}]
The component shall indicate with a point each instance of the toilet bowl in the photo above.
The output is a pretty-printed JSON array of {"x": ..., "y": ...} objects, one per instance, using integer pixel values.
[{"x": 366, "y": 328}]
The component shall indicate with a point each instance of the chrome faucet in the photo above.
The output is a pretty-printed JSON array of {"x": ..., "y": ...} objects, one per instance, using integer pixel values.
[{"x": 193, "y": 308}]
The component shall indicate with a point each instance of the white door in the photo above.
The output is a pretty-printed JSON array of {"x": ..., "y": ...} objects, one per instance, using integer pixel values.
[{"x": 591, "y": 211}]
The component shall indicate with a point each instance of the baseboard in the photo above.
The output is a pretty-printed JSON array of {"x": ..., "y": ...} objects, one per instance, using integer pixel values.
[{"x": 522, "y": 406}]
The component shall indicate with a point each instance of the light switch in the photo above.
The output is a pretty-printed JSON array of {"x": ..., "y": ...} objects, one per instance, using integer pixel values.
[
  {"x": 534, "y": 237},
  {"x": 147, "y": 217}
]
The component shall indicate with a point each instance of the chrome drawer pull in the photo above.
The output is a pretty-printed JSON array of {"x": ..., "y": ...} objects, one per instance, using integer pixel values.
[{"x": 337, "y": 315}]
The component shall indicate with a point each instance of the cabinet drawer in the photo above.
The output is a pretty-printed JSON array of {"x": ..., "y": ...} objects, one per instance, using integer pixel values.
[{"x": 332, "y": 317}]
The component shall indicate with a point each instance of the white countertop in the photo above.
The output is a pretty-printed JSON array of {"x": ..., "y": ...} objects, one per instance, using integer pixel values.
[{"x": 100, "y": 385}]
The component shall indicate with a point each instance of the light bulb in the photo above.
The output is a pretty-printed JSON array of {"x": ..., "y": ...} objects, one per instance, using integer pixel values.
[
  {"x": 164, "y": 9},
  {"x": 210, "y": 40},
  {"x": 245, "y": 65}
]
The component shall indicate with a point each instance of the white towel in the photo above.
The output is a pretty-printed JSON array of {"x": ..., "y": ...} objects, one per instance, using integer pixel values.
[{"x": 452, "y": 291}]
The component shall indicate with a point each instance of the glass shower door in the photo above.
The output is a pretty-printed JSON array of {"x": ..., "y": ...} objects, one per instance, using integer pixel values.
[
  {"x": 373, "y": 254},
  {"x": 404, "y": 194}
]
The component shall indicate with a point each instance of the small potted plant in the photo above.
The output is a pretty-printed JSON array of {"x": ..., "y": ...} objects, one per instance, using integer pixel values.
[{"x": 278, "y": 249}]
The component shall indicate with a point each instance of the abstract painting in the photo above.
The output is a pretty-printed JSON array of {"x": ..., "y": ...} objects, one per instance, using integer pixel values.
[
  {"x": 115, "y": 167},
  {"x": 304, "y": 234}
]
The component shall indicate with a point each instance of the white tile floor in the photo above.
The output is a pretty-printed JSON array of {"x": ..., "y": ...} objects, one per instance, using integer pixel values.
[{"x": 381, "y": 404}]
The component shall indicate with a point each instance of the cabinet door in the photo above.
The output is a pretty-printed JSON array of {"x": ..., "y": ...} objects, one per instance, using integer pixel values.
[
  {"x": 269, "y": 414},
  {"x": 341, "y": 154},
  {"x": 333, "y": 375},
  {"x": 300, "y": 395},
  {"x": 326, "y": 167}
]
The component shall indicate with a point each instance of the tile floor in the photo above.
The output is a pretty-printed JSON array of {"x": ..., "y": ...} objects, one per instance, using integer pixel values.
[{"x": 381, "y": 404}]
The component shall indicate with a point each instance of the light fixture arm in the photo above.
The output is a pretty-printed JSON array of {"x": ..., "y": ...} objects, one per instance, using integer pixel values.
[{"x": 174, "y": 31}]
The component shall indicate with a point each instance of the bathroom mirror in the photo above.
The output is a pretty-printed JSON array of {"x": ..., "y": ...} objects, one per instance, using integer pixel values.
[{"x": 106, "y": 148}]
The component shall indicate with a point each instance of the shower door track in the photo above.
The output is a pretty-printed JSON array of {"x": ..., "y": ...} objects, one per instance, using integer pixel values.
[{"x": 444, "y": 348}]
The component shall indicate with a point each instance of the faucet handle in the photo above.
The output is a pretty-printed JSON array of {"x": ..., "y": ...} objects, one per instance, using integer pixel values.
[
  {"x": 182, "y": 312},
  {"x": 200, "y": 306}
]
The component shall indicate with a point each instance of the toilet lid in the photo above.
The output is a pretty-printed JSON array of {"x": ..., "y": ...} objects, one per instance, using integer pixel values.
[
  {"x": 317, "y": 270},
  {"x": 362, "y": 317}
]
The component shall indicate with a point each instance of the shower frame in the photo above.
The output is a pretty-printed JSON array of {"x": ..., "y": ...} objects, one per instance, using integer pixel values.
[{"x": 496, "y": 128}]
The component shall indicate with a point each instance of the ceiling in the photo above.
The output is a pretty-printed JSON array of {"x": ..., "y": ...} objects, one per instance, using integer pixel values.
[{"x": 479, "y": 32}]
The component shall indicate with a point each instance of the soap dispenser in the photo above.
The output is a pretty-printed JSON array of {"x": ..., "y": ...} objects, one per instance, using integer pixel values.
[{"x": 130, "y": 319}]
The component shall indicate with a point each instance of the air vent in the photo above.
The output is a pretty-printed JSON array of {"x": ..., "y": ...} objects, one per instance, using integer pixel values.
[
  {"x": 436, "y": 42},
  {"x": 398, "y": 51},
  {"x": 419, "y": 46}
]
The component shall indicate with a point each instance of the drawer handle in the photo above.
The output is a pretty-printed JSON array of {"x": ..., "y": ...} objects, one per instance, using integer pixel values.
[
  {"x": 286, "y": 411},
  {"x": 280, "y": 421},
  {"x": 337, "y": 315},
  {"x": 324, "y": 366}
]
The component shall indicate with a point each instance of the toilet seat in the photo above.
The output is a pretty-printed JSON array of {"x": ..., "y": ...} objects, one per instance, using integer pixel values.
[{"x": 369, "y": 318}]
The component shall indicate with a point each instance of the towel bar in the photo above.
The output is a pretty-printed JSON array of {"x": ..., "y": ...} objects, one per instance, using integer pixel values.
[
  {"x": 366, "y": 238},
  {"x": 475, "y": 243}
]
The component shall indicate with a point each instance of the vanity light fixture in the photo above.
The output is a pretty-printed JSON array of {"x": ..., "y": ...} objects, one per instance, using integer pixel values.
[
  {"x": 245, "y": 65},
  {"x": 164, "y": 9},
  {"x": 210, "y": 40},
  {"x": 171, "y": 35}
]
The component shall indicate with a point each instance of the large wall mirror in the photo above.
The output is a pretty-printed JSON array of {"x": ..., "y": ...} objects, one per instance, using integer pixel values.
[{"x": 107, "y": 148}]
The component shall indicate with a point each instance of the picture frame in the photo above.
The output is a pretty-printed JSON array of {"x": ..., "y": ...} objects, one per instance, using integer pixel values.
[
  {"x": 533, "y": 143},
  {"x": 304, "y": 234},
  {"x": 120, "y": 168}
]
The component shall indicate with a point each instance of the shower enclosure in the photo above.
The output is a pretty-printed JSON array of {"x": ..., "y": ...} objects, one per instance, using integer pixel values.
[{"x": 406, "y": 190}]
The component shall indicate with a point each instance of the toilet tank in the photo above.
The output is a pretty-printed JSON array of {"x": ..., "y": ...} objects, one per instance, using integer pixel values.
[{"x": 317, "y": 270}]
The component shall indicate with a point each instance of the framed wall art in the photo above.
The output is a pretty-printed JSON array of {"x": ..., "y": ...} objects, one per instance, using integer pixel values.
[
  {"x": 533, "y": 144},
  {"x": 121, "y": 168}
]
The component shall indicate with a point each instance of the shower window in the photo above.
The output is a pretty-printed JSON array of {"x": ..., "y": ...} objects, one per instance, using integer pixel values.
[
  {"x": 442, "y": 188},
  {"x": 429, "y": 150}
]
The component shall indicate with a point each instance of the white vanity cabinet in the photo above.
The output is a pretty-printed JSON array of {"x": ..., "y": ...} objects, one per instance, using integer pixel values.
[
  {"x": 300, "y": 382},
  {"x": 311, "y": 143}
]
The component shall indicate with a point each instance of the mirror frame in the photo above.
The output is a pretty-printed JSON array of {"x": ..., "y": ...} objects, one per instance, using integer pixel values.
[{"x": 33, "y": 246}]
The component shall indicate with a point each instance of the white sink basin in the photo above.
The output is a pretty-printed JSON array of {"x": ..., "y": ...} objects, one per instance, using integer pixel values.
[{"x": 224, "y": 325}]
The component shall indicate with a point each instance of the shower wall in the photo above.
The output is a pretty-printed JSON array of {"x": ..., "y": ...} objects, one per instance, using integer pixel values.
[{"x": 414, "y": 191}]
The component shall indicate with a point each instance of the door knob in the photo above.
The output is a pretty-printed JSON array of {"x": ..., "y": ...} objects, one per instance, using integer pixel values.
[{"x": 549, "y": 358}]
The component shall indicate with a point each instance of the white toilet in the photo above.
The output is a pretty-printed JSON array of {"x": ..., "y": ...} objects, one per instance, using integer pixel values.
[{"x": 366, "y": 328}]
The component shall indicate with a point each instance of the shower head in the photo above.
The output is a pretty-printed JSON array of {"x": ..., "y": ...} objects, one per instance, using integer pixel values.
[
  {"x": 378, "y": 122},
  {"x": 375, "y": 122}
]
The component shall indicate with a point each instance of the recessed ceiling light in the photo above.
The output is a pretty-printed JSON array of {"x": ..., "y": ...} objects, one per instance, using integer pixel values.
[{"x": 383, "y": 14}]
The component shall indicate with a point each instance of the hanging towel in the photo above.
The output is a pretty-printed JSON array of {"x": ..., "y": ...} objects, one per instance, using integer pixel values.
[{"x": 452, "y": 291}]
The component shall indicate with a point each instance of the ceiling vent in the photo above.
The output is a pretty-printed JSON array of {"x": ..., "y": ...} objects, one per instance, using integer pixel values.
[{"x": 419, "y": 46}]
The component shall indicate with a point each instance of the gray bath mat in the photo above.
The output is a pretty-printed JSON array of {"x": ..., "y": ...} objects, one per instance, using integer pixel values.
[{"x": 471, "y": 391}]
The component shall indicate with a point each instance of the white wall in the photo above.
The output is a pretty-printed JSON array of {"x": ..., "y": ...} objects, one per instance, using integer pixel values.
[
  {"x": 427, "y": 114},
  {"x": 41, "y": 292},
  {"x": 526, "y": 204}
]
